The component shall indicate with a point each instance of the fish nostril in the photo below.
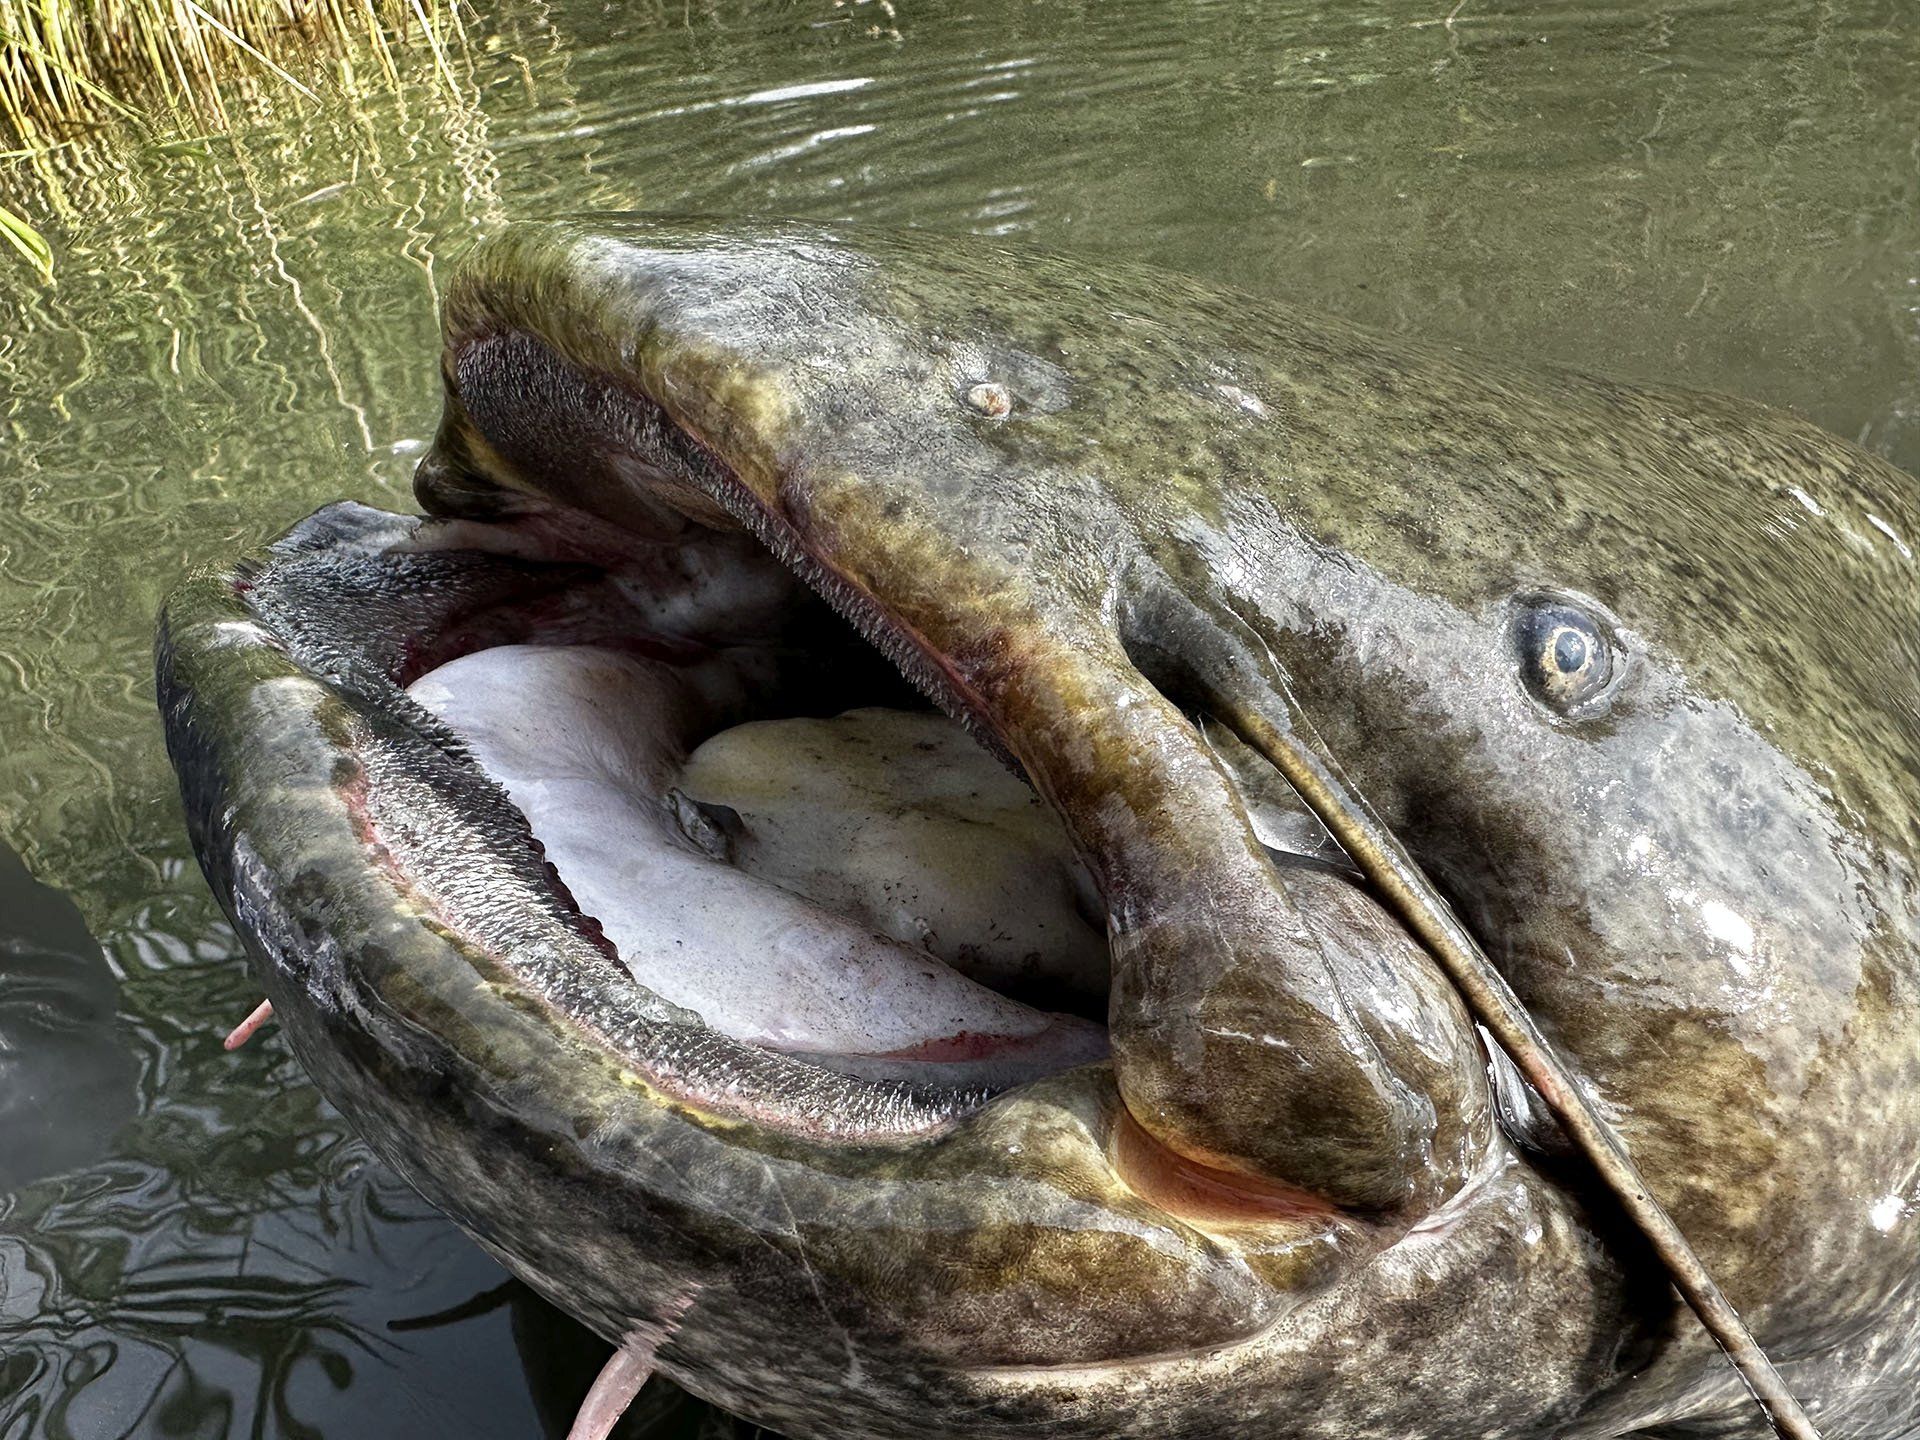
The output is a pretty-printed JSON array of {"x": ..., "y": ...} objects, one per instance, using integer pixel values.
[{"x": 991, "y": 399}]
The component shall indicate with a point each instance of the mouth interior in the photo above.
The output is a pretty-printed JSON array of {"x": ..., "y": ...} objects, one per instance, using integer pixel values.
[{"x": 775, "y": 833}]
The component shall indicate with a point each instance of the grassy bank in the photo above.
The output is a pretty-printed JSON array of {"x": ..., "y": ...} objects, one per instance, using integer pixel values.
[
  {"x": 68, "y": 61},
  {"x": 67, "y": 67}
]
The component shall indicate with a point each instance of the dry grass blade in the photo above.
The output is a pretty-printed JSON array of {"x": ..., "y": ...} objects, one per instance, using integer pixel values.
[
  {"x": 29, "y": 242},
  {"x": 240, "y": 40}
]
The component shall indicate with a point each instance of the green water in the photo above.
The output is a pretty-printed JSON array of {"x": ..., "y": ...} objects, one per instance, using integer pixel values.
[{"x": 1724, "y": 195}]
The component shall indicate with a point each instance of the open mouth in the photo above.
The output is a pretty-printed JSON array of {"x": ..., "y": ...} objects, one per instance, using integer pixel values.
[
  {"x": 741, "y": 789},
  {"x": 864, "y": 888},
  {"x": 768, "y": 826},
  {"x": 771, "y": 836},
  {"x": 707, "y": 756}
]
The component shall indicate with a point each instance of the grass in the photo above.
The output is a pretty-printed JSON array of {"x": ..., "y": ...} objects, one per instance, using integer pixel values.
[
  {"x": 68, "y": 61},
  {"x": 68, "y": 66},
  {"x": 29, "y": 242}
]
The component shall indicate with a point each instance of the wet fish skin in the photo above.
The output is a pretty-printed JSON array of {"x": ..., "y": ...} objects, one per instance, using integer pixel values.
[{"x": 1703, "y": 885}]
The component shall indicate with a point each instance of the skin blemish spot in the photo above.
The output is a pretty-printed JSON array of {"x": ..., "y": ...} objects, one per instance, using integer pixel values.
[{"x": 991, "y": 399}]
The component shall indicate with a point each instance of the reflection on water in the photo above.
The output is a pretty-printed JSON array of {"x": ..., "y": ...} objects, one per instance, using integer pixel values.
[{"x": 1719, "y": 194}]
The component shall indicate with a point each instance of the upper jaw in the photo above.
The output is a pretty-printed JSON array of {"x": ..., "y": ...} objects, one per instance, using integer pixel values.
[{"x": 685, "y": 382}]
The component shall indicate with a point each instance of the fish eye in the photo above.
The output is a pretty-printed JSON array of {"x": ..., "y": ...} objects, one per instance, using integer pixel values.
[{"x": 1567, "y": 655}]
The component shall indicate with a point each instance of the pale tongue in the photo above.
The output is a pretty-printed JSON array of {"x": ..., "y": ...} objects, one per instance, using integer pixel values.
[{"x": 589, "y": 744}]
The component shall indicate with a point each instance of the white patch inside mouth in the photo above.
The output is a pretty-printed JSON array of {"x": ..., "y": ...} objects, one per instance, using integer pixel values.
[{"x": 805, "y": 885}]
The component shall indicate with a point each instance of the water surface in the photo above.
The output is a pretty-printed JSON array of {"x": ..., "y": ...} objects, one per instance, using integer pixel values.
[{"x": 1724, "y": 195}]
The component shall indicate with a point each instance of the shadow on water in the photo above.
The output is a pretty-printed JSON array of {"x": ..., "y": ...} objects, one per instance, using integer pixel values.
[
  {"x": 238, "y": 1267},
  {"x": 191, "y": 1243},
  {"x": 66, "y": 1078}
]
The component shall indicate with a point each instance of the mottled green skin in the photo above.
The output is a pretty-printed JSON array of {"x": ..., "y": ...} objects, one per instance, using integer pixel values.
[{"x": 1219, "y": 493}]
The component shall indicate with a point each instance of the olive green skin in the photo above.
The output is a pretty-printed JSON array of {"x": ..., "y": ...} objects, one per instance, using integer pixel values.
[{"x": 1195, "y": 501}]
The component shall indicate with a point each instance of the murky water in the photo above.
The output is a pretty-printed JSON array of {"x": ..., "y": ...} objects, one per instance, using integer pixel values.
[{"x": 1724, "y": 195}]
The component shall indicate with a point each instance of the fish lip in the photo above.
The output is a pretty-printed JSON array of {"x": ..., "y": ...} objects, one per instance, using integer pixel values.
[{"x": 685, "y": 413}]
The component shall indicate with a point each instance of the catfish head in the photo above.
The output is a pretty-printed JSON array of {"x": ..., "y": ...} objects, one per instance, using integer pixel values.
[{"x": 897, "y": 841}]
